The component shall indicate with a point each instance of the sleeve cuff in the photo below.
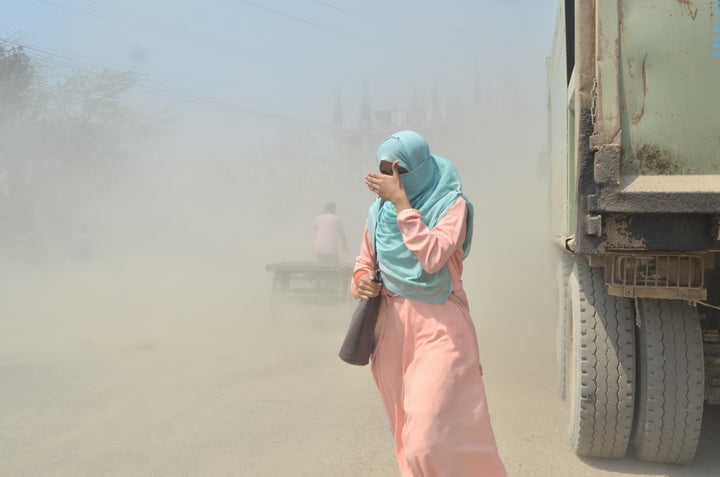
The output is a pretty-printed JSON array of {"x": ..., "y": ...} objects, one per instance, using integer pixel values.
[
  {"x": 408, "y": 213},
  {"x": 357, "y": 275}
]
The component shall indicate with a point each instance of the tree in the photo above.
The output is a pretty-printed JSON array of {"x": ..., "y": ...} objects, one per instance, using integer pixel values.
[
  {"x": 18, "y": 79},
  {"x": 61, "y": 144}
]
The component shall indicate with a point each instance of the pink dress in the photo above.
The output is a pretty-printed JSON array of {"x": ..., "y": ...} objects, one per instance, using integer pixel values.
[{"x": 426, "y": 363}]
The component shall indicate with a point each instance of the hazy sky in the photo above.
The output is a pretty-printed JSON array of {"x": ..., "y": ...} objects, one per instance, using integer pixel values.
[{"x": 238, "y": 65}]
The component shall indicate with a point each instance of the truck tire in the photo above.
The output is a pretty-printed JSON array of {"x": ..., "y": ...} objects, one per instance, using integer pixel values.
[
  {"x": 562, "y": 318},
  {"x": 670, "y": 388},
  {"x": 600, "y": 379}
]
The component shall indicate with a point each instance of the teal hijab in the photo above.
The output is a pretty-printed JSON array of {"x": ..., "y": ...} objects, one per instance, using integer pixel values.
[{"x": 432, "y": 185}]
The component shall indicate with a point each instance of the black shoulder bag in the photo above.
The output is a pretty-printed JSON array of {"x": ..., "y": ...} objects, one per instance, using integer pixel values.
[{"x": 359, "y": 342}]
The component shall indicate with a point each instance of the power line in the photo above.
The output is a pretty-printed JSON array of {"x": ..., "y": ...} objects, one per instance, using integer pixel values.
[
  {"x": 162, "y": 91},
  {"x": 185, "y": 35},
  {"x": 91, "y": 63},
  {"x": 385, "y": 46},
  {"x": 435, "y": 23},
  {"x": 176, "y": 32},
  {"x": 396, "y": 26},
  {"x": 181, "y": 34}
]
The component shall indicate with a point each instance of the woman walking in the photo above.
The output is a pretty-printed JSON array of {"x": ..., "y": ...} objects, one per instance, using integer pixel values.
[{"x": 426, "y": 361}]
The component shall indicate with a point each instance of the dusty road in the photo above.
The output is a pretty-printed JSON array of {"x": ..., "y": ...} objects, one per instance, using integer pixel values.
[{"x": 103, "y": 374}]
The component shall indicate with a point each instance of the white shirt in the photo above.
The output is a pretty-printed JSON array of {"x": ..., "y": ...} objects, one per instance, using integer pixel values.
[{"x": 328, "y": 234}]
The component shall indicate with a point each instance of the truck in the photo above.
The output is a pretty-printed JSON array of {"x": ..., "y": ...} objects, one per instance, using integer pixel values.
[{"x": 634, "y": 152}]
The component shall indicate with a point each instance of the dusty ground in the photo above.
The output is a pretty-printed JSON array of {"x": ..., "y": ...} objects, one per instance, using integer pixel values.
[{"x": 144, "y": 370}]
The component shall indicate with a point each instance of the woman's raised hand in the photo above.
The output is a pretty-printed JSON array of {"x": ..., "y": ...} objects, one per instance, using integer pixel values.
[{"x": 388, "y": 187}]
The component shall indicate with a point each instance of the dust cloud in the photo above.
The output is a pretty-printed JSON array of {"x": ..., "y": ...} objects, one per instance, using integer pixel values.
[
  {"x": 140, "y": 334},
  {"x": 147, "y": 333}
]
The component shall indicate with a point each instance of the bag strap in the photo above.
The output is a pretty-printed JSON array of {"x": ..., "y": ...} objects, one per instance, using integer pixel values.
[{"x": 377, "y": 278}]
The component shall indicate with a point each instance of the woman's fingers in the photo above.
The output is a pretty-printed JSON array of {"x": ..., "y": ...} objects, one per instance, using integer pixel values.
[
  {"x": 368, "y": 295},
  {"x": 383, "y": 185},
  {"x": 367, "y": 288},
  {"x": 372, "y": 184}
]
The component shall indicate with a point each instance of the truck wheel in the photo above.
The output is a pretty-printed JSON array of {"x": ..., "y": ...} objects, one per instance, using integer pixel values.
[
  {"x": 600, "y": 371},
  {"x": 562, "y": 319},
  {"x": 670, "y": 389}
]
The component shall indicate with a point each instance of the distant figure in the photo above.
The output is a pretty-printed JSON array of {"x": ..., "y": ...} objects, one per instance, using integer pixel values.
[{"x": 329, "y": 235}]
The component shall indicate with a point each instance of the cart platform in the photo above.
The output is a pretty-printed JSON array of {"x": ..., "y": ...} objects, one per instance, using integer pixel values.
[{"x": 311, "y": 282}]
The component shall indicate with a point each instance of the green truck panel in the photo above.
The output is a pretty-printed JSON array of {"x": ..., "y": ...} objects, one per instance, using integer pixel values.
[
  {"x": 635, "y": 123},
  {"x": 670, "y": 115}
]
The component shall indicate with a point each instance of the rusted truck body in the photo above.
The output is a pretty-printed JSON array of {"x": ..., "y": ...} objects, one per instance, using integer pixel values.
[{"x": 634, "y": 151}]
